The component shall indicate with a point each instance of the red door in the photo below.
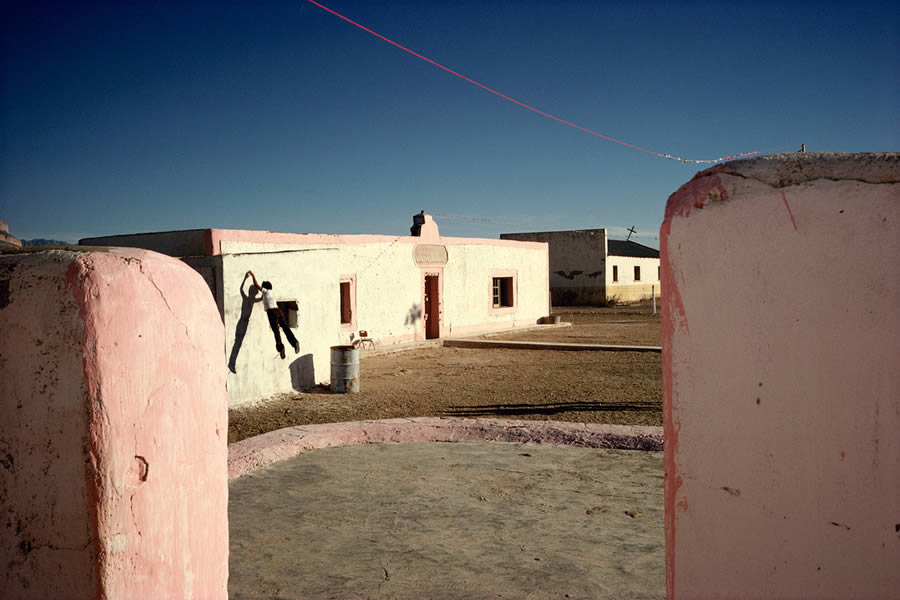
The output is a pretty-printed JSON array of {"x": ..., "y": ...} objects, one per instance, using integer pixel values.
[{"x": 432, "y": 307}]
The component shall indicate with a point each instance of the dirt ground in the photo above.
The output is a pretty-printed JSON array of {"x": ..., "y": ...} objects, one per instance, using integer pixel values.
[
  {"x": 587, "y": 387},
  {"x": 462, "y": 520}
]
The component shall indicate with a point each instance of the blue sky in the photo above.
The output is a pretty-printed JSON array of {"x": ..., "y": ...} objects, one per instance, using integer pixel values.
[{"x": 123, "y": 117}]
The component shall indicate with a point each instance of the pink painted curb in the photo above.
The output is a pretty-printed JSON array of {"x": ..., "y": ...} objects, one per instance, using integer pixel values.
[{"x": 263, "y": 450}]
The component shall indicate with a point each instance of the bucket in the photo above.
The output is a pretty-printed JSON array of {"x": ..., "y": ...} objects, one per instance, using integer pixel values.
[{"x": 344, "y": 370}]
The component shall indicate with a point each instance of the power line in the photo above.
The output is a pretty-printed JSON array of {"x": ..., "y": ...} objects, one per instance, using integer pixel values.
[{"x": 540, "y": 112}]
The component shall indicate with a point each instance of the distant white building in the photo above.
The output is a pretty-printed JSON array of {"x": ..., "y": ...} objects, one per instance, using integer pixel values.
[
  {"x": 587, "y": 268},
  {"x": 397, "y": 288}
]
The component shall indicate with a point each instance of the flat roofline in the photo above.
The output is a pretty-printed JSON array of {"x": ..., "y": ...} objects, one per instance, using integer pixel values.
[
  {"x": 269, "y": 237},
  {"x": 555, "y": 231},
  {"x": 214, "y": 237},
  {"x": 94, "y": 237}
]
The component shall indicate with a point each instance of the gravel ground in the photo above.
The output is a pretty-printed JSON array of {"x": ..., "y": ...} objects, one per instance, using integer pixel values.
[{"x": 588, "y": 387}]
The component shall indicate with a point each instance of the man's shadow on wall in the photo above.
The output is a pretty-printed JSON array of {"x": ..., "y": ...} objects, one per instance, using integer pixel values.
[
  {"x": 303, "y": 374},
  {"x": 240, "y": 330}
]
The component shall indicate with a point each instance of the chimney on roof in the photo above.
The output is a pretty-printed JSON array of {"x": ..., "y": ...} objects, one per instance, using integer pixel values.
[
  {"x": 418, "y": 221},
  {"x": 425, "y": 228}
]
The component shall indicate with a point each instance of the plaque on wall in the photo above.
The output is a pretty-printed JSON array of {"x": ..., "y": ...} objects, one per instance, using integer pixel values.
[{"x": 430, "y": 254}]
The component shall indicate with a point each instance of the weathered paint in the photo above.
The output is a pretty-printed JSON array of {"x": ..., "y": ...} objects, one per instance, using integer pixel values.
[
  {"x": 781, "y": 393},
  {"x": 344, "y": 370},
  {"x": 115, "y": 428},
  {"x": 263, "y": 450}
]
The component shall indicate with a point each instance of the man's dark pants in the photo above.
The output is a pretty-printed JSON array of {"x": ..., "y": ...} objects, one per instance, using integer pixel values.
[{"x": 276, "y": 319}]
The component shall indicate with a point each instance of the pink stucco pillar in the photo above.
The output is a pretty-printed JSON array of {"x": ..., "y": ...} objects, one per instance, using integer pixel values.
[
  {"x": 113, "y": 436},
  {"x": 781, "y": 339}
]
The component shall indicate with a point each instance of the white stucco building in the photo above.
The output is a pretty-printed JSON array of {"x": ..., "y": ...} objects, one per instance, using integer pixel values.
[
  {"x": 397, "y": 288},
  {"x": 587, "y": 268}
]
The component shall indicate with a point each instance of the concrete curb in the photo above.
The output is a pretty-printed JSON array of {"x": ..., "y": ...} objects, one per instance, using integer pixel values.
[
  {"x": 469, "y": 343},
  {"x": 381, "y": 350},
  {"x": 260, "y": 451}
]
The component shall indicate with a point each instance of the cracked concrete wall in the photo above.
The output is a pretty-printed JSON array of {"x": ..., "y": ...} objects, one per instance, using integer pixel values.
[
  {"x": 780, "y": 381},
  {"x": 114, "y": 436}
]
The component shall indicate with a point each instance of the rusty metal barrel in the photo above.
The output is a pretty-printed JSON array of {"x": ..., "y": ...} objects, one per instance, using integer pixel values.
[{"x": 344, "y": 370}]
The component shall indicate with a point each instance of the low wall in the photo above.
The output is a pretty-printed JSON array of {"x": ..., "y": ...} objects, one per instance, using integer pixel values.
[
  {"x": 780, "y": 379},
  {"x": 190, "y": 242},
  {"x": 113, "y": 442},
  {"x": 633, "y": 292}
]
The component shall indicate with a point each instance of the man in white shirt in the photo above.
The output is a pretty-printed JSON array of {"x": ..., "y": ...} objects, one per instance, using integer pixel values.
[{"x": 276, "y": 317}]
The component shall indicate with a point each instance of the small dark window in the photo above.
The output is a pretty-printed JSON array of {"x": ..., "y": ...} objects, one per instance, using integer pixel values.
[
  {"x": 658, "y": 273},
  {"x": 615, "y": 272},
  {"x": 637, "y": 273},
  {"x": 346, "y": 313},
  {"x": 503, "y": 292},
  {"x": 289, "y": 309}
]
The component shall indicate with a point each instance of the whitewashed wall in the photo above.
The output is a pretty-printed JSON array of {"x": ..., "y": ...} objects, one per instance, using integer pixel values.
[
  {"x": 467, "y": 294},
  {"x": 255, "y": 368},
  {"x": 389, "y": 298},
  {"x": 627, "y": 289}
]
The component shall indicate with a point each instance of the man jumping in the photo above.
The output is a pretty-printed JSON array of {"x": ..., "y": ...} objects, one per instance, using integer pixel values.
[{"x": 276, "y": 317}]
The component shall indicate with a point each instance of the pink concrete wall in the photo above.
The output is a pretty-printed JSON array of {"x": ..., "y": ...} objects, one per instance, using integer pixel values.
[
  {"x": 781, "y": 339},
  {"x": 114, "y": 477}
]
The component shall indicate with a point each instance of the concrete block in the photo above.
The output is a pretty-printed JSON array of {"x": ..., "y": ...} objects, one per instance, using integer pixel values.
[
  {"x": 780, "y": 381},
  {"x": 113, "y": 442}
]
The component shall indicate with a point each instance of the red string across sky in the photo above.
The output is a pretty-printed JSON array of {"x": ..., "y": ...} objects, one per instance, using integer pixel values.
[{"x": 531, "y": 108}]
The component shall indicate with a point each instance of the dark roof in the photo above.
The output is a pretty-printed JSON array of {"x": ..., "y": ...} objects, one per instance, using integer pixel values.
[{"x": 629, "y": 248}]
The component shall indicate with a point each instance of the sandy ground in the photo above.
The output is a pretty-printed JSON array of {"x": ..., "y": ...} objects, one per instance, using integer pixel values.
[
  {"x": 590, "y": 387},
  {"x": 627, "y": 326},
  {"x": 462, "y": 520}
]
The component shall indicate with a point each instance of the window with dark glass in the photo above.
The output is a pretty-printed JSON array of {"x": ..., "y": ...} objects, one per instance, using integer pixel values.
[
  {"x": 502, "y": 292},
  {"x": 289, "y": 310},
  {"x": 346, "y": 313}
]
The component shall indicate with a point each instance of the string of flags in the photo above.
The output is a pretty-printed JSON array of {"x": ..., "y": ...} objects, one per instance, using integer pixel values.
[
  {"x": 465, "y": 218},
  {"x": 540, "y": 112},
  {"x": 632, "y": 232}
]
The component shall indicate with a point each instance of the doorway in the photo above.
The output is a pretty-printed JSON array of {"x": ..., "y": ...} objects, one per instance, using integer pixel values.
[{"x": 432, "y": 306}]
